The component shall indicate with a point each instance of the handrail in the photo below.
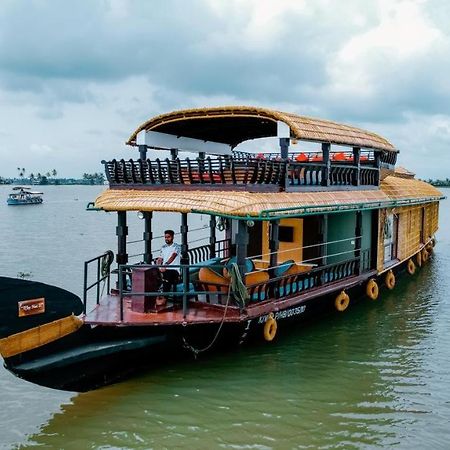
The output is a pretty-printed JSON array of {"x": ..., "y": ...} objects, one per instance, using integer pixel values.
[{"x": 103, "y": 265}]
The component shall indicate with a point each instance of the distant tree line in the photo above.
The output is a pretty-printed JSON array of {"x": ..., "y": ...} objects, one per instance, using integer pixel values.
[
  {"x": 441, "y": 183},
  {"x": 49, "y": 177}
]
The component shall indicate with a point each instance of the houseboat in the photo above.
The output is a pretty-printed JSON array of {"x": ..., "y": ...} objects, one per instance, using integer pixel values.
[
  {"x": 292, "y": 234},
  {"x": 24, "y": 196}
]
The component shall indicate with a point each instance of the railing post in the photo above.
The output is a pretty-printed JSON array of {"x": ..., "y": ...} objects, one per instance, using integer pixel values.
[
  {"x": 326, "y": 169},
  {"x": 85, "y": 287}
]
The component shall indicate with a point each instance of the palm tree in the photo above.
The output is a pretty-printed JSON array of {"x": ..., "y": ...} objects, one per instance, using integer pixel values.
[{"x": 54, "y": 172}]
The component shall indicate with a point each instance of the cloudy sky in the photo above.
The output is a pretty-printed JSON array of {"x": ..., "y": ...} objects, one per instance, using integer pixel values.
[{"x": 76, "y": 78}]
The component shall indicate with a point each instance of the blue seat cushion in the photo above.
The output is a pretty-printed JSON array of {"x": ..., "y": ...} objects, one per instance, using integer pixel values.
[
  {"x": 213, "y": 264},
  {"x": 249, "y": 266},
  {"x": 283, "y": 267}
]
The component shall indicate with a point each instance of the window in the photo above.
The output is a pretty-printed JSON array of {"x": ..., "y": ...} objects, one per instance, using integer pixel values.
[{"x": 286, "y": 234}]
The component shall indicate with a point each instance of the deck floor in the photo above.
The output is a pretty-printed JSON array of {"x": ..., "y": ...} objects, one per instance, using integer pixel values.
[{"x": 108, "y": 313}]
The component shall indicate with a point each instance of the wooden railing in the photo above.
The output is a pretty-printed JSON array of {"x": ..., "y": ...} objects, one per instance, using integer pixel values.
[
  {"x": 241, "y": 173},
  {"x": 288, "y": 285},
  {"x": 222, "y": 170},
  {"x": 203, "y": 252}
]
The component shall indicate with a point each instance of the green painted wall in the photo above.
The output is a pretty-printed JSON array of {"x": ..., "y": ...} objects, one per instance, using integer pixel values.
[{"x": 342, "y": 226}]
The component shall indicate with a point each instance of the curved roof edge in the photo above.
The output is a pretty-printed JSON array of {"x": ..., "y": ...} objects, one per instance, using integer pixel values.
[{"x": 302, "y": 128}]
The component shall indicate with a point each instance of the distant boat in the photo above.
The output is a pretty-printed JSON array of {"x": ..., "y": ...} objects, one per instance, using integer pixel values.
[{"x": 24, "y": 196}]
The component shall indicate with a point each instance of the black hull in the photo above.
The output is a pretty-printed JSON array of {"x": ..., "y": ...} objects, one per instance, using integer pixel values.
[{"x": 91, "y": 358}]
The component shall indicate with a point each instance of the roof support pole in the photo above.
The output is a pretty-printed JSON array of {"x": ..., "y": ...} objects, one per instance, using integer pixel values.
[
  {"x": 142, "y": 152},
  {"x": 148, "y": 235},
  {"x": 377, "y": 156},
  {"x": 212, "y": 237},
  {"x": 284, "y": 152},
  {"x": 326, "y": 170},
  {"x": 122, "y": 232},
  {"x": 358, "y": 235},
  {"x": 241, "y": 245},
  {"x": 357, "y": 164},
  {"x": 274, "y": 244},
  {"x": 323, "y": 239},
  {"x": 184, "y": 260}
]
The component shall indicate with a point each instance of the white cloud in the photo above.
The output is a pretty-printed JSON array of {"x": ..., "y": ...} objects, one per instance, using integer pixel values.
[{"x": 80, "y": 83}]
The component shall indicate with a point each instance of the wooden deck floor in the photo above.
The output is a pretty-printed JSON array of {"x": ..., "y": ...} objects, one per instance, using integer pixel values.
[{"x": 108, "y": 313}]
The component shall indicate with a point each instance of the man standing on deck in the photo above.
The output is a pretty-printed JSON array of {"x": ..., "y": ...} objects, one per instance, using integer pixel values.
[{"x": 170, "y": 254}]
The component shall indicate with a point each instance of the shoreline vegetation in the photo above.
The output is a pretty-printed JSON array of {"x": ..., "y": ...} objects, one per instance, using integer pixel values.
[
  {"x": 50, "y": 179},
  {"x": 439, "y": 183}
]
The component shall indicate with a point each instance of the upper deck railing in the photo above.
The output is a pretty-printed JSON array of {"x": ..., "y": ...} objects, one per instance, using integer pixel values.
[{"x": 248, "y": 172}]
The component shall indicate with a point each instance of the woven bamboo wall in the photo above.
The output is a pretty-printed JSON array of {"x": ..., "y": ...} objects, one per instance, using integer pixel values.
[
  {"x": 409, "y": 231},
  {"x": 410, "y": 235}
]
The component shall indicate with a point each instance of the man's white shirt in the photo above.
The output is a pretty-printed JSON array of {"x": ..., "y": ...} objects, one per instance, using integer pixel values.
[{"x": 168, "y": 250}]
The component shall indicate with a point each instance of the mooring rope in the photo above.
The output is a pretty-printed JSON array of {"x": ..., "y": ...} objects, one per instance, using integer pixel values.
[{"x": 240, "y": 295}]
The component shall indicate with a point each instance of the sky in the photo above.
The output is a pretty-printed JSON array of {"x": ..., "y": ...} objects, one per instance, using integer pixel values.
[{"x": 77, "y": 78}]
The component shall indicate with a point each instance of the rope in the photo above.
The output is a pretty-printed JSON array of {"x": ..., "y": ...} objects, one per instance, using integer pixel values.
[
  {"x": 241, "y": 296},
  {"x": 196, "y": 351}
]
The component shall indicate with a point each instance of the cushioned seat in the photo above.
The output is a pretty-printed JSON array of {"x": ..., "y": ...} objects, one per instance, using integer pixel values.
[
  {"x": 213, "y": 263},
  {"x": 249, "y": 265}
]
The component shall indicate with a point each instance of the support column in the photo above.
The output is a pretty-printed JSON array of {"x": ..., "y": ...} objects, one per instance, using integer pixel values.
[
  {"x": 284, "y": 152},
  {"x": 148, "y": 236},
  {"x": 174, "y": 153},
  {"x": 358, "y": 234},
  {"x": 377, "y": 156},
  {"x": 241, "y": 245},
  {"x": 357, "y": 163},
  {"x": 122, "y": 232},
  {"x": 274, "y": 243},
  {"x": 184, "y": 260},
  {"x": 326, "y": 171},
  {"x": 142, "y": 152},
  {"x": 212, "y": 237},
  {"x": 324, "y": 236}
]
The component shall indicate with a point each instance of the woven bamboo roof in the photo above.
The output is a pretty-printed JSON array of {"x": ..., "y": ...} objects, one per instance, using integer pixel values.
[
  {"x": 234, "y": 124},
  {"x": 246, "y": 204}
]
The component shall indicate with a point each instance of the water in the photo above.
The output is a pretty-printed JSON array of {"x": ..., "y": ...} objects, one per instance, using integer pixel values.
[{"x": 376, "y": 376}]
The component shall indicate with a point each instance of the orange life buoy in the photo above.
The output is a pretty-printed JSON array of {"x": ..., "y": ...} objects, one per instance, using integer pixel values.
[
  {"x": 390, "y": 280},
  {"x": 425, "y": 255},
  {"x": 372, "y": 290},
  {"x": 419, "y": 259},
  {"x": 411, "y": 267},
  {"x": 270, "y": 328},
  {"x": 342, "y": 301}
]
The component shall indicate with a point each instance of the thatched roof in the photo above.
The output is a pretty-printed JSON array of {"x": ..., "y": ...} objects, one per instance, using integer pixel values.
[
  {"x": 235, "y": 124},
  {"x": 246, "y": 204}
]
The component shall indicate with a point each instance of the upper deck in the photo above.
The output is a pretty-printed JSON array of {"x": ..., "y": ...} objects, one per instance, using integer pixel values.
[{"x": 212, "y": 134}]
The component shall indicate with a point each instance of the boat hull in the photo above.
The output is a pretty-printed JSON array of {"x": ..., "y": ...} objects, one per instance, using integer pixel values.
[
  {"x": 17, "y": 202},
  {"x": 96, "y": 356}
]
